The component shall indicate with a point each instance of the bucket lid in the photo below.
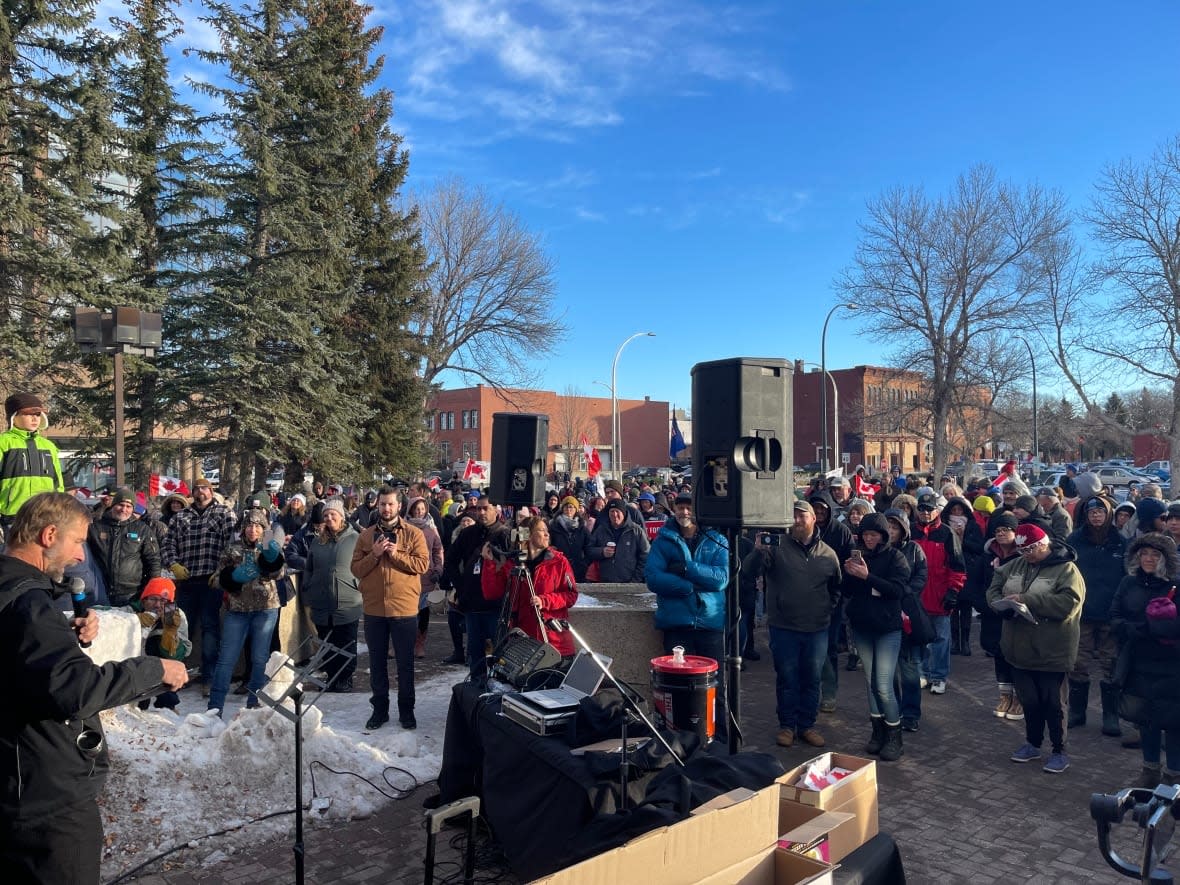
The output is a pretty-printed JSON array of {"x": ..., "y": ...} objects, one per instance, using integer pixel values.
[{"x": 691, "y": 664}]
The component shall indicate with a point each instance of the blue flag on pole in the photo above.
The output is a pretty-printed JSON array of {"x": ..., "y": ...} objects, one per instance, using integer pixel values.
[{"x": 676, "y": 446}]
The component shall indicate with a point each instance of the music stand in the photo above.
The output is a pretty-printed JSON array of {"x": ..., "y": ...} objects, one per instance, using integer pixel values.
[{"x": 304, "y": 679}]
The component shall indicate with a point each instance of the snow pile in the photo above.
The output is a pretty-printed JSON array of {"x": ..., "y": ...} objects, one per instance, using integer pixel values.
[
  {"x": 120, "y": 636},
  {"x": 177, "y": 778}
]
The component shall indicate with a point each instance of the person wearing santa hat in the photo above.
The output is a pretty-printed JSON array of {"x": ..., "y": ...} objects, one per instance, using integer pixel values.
[
  {"x": 1040, "y": 595},
  {"x": 29, "y": 463}
]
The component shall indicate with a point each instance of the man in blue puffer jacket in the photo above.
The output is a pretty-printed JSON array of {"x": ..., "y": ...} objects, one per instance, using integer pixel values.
[{"x": 688, "y": 568}]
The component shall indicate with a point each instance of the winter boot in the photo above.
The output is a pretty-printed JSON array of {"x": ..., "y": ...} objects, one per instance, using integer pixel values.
[
  {"x": 1131, "y": 739},
  {"x": 1109, "y": 693},
  {"x": 892, "y": 751},
  {"x": 1149, "y": 777},
  {"x": 1015, "y": 711},
  {"x": 1079, "y": 698},
  {"x": 380, "y": 713},
  {"x": 1007, "y": 694},
  {"x": 877, "y": 741},
  {"x": 420, "y": 646}
]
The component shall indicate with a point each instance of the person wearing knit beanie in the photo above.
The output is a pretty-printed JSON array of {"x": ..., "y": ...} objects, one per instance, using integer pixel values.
[{"x": 28, "y": 474}]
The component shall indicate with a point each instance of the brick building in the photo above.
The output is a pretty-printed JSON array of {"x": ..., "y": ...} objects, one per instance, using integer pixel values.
[
  {"x": 459, "y": 423},
  {"x": 883, "y": 419}
]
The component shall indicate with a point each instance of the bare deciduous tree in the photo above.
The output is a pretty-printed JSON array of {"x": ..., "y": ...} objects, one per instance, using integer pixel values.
[
  {"x": 571, "y": 422},
  {"x": 1123, "y": 314},
  {"x": 933, "y": 275},
  {"x": 489, "y": 309}
]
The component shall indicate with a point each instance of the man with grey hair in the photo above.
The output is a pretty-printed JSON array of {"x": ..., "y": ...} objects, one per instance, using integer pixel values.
[{"x": 53, "y": 756}]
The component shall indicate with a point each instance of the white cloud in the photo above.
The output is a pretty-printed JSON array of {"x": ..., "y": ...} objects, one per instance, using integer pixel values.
[
  {"x": 552, "y": 67},
  {"x": 584, "y": 214}
]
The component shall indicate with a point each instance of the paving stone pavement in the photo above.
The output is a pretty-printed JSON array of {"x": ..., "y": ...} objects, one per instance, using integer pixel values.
[{"x": 960, "y": 811}]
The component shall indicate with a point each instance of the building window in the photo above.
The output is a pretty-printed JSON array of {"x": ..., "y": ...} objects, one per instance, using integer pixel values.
[
  {"x": 444, "y": 452},
  {"x": 471, "y": 449},
  {"x": 466, "y": 420},
  {"x": 475, "y": 419},
  {"x": 430, "y": 422}
]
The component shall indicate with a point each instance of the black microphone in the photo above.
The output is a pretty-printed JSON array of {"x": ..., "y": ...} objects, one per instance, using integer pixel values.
[{"x": 81, "y": 606}]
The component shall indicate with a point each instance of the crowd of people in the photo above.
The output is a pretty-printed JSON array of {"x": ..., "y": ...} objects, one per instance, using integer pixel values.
[{"x": 1068, "y": 585}]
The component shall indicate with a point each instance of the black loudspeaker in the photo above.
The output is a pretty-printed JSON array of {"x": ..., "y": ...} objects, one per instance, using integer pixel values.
[
  {"x": 520, "y": 444},
  {"x": 741, "y": 428}
]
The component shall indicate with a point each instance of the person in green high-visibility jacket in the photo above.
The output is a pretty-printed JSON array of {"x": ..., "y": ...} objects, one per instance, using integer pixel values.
[{"x": 29, "y": 462}]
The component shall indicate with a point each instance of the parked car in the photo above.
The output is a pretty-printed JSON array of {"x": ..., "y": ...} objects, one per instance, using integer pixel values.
[
  {"x": 1165, "y": 466},
  {"x": 1118, "y": 477}
]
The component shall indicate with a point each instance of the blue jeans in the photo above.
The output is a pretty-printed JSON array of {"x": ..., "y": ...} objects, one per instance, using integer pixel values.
[
  {"x": 481, "y": 629},
  {"x": 201, "y": 604},
  {"x": 1152, "y": 739},
  {"x": 798, "y": 661},
  {"x": 879, "y": 654},
  {"x": 909, "y": 680},
  {"x": 380, "y": 633},
  {"x": 259, "y": 626},
  {"x": 937, "y": 662}
]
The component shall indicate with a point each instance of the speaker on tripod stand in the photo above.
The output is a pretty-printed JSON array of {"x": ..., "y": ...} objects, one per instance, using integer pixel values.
[{"x": 520, "y": 446}]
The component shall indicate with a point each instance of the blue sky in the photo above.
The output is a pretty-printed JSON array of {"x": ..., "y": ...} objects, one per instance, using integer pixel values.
[{"x": 699, "y": 169}]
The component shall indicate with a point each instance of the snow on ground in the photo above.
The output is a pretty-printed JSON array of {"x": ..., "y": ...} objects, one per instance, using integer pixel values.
[{"x": 177, "y": 777}]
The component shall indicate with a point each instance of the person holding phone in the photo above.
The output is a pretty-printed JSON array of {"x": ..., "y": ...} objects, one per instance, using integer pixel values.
[{"x": 876, "y": 576}]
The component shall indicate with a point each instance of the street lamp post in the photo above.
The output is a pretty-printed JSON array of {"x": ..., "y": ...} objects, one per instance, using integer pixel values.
[
  {"x": 1033, "y": 362},
  {"x": 118, "y": 331},
  {"x": 616, "y": 451},
  {"x": 835, "y": 397},
  {"x": 823, "y": 402}
]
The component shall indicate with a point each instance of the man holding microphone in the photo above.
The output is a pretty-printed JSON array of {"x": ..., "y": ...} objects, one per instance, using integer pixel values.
[{"x": 53, "y": 757}]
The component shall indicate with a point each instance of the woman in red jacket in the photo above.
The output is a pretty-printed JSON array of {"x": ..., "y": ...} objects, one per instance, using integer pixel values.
[{"x": 554, "y": 588}]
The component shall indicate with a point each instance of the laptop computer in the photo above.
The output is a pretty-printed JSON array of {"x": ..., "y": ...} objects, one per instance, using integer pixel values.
[{"x": 583, "y": 679}]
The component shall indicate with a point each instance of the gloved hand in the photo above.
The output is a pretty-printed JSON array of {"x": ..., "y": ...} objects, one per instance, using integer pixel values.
[
  {"x": 676, "y": 567},
  {"x": 227, "y": 581},
  {"x": 147, "y": 619},
  {"x": 179, "y": 572},
  {"x": 270, "y": 558},
  {"x": 950, "y": 600},
  {"x": 247, "y": 571},
  {"x": 170, "y": 638}
]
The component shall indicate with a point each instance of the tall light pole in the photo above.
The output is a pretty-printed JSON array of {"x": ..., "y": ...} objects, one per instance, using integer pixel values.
[
  {"x": 616, "y": 450},
  {"x": 1033, "y": 362},
  {"x": 823, "y": 402},
  {"x": 835, "y": 397}
]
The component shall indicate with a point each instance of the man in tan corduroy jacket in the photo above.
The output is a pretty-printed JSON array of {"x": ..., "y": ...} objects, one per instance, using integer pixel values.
[{"x": 388, "y": 559}]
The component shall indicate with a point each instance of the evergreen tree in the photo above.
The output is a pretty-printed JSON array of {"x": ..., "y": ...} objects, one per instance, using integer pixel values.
[
  {"x": 305, "y": 231},
  {"x": 55, "y": 150},
  {"x": 163, "y": 180}
]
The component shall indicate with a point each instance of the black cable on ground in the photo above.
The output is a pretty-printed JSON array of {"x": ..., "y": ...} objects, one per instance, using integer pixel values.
[{"x": 163, "y": 854}]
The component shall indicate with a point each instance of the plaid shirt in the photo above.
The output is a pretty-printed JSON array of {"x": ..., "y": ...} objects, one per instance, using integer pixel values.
[{"x": 196, "y": 538}]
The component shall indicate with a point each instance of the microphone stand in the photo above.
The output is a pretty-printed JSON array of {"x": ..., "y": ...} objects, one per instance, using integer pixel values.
[{"x": 627, "y": 699}]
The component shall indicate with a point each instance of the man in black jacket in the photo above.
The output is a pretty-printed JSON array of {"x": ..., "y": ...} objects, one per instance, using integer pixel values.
[
  {"x": 124, "y": 549},
  {"x": 53, "y": 758},
  {"x": 462, "y": 571}
]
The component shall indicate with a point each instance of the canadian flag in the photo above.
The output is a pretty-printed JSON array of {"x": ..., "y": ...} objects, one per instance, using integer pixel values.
[
  {"x": 166, "y": 485},
  {"x": 432, "y": 482},
  {"x": 593, "y": 462},
  {"x": 473, "y": 469}
]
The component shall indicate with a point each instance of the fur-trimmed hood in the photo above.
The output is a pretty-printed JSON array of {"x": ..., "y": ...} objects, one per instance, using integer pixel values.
[{"x": 1159, "y": 541}]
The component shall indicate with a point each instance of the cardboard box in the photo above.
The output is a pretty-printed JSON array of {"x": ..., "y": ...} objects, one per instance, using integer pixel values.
[
  {"x": 832, "y": 834},
  {"x": 738, "y": 827},
  {"x": 856, "y": 794},
  {"x": 774, "y": 866}
]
